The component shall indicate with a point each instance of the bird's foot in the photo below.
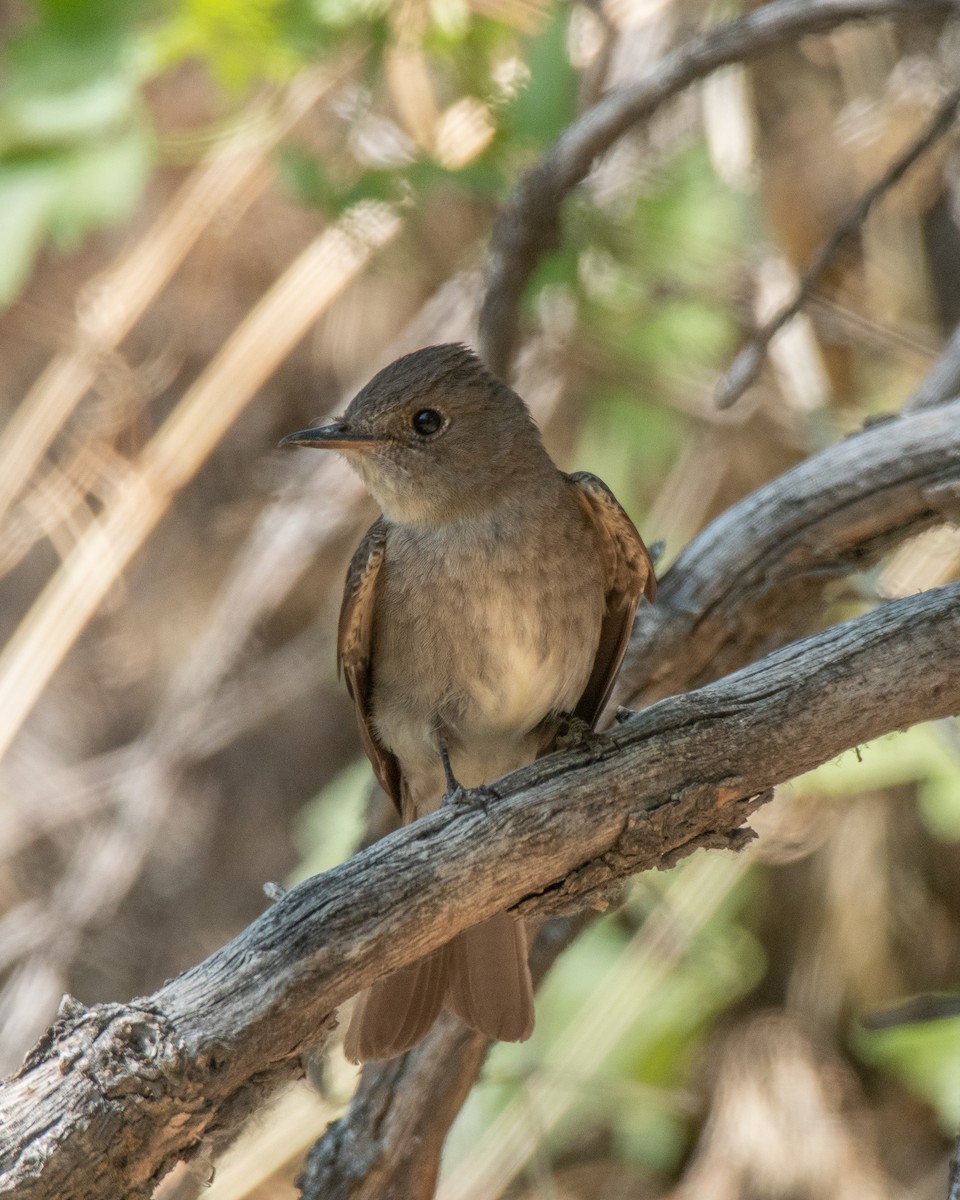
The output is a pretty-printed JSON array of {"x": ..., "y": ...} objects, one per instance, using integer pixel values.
[
  {"x": 456, "y": 795},
  {"x": 453, "y": 785},
  {"x": 573, "y": 733},
  {"x": 467, "y": 799}
]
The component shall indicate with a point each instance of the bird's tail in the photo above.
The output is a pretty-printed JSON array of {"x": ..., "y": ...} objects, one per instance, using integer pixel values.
[
  {"x": 489, "y": 979},
  {"x": 482, "y": 975}
]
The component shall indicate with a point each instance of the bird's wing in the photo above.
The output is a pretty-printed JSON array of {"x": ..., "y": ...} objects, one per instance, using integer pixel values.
[
  {"x": 354, "y": 642},
  {"x": 629, "y": 575}
]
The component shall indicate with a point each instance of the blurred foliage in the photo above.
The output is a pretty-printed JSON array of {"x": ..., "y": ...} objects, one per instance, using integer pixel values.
[
  {"x": 331, "y": 825},
  {"x": 651, "y": 284},
  {"x": 925, "y": 1055},
  {"x": 927, "y": 756},
  {"x": 77, "y": 148},
  {"x": 75, "y": 145}
]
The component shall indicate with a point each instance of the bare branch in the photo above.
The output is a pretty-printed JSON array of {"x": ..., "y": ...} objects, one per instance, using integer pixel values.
[
  {"x": 749, "y": 360},
  {"x": 390, "y": 1142},
  {"x": 528, "y": 226},
  {"x": 755, "y": 577},
  {"x": 113, "y": 1095}
]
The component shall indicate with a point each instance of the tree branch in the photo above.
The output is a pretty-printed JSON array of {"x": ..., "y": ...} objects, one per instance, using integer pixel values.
[
  {"x": 755, "y": 577},
  {"x": 529, "y": 224},
  {"x": 113, "y": 1095}
]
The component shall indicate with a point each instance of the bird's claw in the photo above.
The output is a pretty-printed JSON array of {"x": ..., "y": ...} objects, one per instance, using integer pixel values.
[
  {"x": 456, "y": 795},
  {"x": 573, "y": 733},
  {"x": 466, "y": 799}
]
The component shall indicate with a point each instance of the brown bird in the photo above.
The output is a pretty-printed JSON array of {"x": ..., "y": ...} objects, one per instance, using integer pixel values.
[{"x": 492, "y": 598}]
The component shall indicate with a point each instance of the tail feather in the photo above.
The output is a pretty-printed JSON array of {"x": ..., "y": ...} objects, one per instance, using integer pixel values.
[
  {"x": 489, "y": 984},
  {"x": 482, "y": 975},
  {"x": 397, "y": 1011}
]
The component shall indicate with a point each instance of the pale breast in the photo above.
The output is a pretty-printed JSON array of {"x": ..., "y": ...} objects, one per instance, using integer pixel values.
[{"x": 484, "y": 635}]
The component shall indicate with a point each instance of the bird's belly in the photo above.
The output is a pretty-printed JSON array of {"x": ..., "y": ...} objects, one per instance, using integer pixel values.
[
  {"x": 521, "y": 678},
  {"x": 484, "y": 681}
]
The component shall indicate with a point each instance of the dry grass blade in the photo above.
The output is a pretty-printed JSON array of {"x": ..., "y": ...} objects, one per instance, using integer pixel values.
[
  {"x": 114, "y": 303},
  {"x": 178, "y": 449}
]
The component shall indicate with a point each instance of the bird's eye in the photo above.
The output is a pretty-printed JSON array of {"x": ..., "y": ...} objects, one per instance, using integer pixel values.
[{"x": 427, "y": 421}]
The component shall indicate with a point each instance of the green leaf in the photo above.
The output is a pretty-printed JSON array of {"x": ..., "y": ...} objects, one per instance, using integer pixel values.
[
  {"x": 65, "y": 194},
  {"x": 242, "y": 43},
  {"x": 101, "y": 183},
  {"x": 63, "y": 85},
  {"x": 925, "y": 1056}
]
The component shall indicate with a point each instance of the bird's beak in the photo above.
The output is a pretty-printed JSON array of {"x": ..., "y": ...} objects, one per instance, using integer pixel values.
[{"x": 338, "y": 436}]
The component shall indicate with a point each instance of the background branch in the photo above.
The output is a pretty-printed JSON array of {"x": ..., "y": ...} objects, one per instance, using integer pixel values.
[
  {"x": 756, "y": 576},
  {"x": 942, "y": 381}
]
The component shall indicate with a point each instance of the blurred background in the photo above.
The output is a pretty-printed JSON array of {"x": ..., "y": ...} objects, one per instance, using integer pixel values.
[{"x": 216, "y": 221}]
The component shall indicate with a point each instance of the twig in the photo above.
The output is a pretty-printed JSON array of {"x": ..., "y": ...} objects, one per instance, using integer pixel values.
[
  {"x": 746, "y": 366},
  {"x": 163, "y": 1072},
  {"x": 529, "y": 223}
]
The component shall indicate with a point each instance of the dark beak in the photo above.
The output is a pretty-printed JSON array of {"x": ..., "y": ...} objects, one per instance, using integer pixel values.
[{"x": 338, "y": 436}]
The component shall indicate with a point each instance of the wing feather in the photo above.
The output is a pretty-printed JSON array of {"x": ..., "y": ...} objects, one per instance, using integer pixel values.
[
  {"x": 629, "y": 575},
  {"x": 354, "y": 647}
]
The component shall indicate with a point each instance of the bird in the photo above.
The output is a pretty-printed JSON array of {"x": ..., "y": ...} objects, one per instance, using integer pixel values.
[{"x": 489, "y": 603}]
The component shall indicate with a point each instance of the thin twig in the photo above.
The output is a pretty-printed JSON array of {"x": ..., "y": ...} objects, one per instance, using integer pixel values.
[
  {"x": 749, "y": 360},
  {"x": 529, "y": 226}
]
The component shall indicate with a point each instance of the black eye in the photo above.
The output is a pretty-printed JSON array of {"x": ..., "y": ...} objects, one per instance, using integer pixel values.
[{"x": 427, "y": 421}]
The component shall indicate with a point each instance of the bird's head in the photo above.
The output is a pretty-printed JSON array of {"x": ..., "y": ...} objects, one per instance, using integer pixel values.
[{"x": 435, "y": 437}]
